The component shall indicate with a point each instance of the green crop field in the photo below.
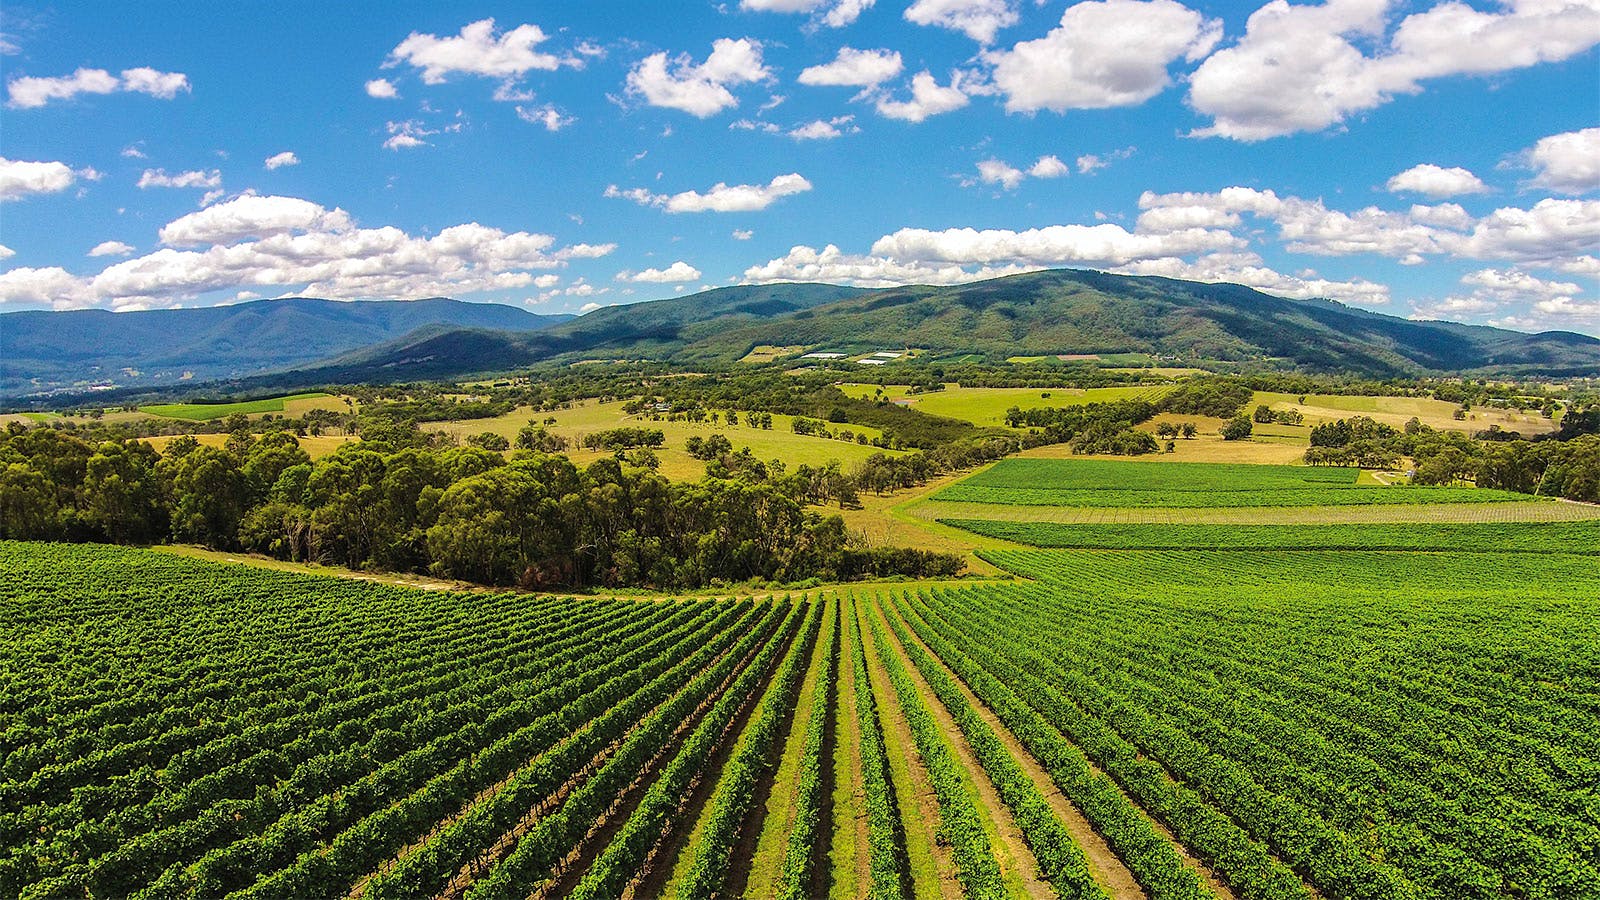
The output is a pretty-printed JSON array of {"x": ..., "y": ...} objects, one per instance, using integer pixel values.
[
  {"x": 1523, "y": 537},
  {"x": 1112, "y": 484},
  {"x": 201, "y": 412},
  {"x": 1271, "y": 722}
]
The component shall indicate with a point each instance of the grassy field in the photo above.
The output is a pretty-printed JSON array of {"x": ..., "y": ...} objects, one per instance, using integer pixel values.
[
  {"x": 315, "y": 446},
  {"x": 780, "y": 442},
  {"x": 291, "y": 405},
  {"x": 1397, "y": 411},
  {"x": 765, "y": 353},
  {"x": 987, "y": 406},
  {"x": 1118, "y": 723}
]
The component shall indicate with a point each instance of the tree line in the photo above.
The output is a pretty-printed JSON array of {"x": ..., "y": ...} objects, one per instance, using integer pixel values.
[{"x": 392, "y": 502}]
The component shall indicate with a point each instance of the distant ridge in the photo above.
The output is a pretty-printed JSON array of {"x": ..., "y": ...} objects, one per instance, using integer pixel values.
[
  {"x": 51, "y": 350},
  {"x": 290, "y": 343}
]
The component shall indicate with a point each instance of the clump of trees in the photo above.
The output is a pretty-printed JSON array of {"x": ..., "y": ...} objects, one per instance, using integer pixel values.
[
  {"x": 1091, "y": 427},
  {"x": 1553, "y": 466},
  {"x": 1220, "y": 398},
  {"x": 624, "y": 438},
  {"x": 1266, "y": 415},
  {"x": 394, "y": 502},
  {"x": 1238, "y": 428}
]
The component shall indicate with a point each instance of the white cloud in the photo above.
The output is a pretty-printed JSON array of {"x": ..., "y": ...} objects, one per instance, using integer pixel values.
[
  {"x": 994, "y": 171},
  {"x": 407, "y": 134},
  {"x": 977, "y": 19},
  {"x": 855, "y": 68},
  {"x": 279, "y": 160},
  {"x": 1247, "y": 269},
  {"x": 162, "y": 85},
  {"x": 1516, "y": 284},
  {"x": 286, "y": 242},
  {"x": 1302, "y": 68},
  {"x": 192, "y": 179},
  {"x": 111, "y": 248},
  {"x": 1104, "y": 245},
  {"x": 743, "y": 234},
  {"x": 547, "y": 115},
  {"x": 382, "y": 89},
  {"x": 1556, "y": 233},
  {"x": 476, "y": 50},
  {"x": 832, "y": 265},
  {"x": 1009, "y": 177},
  {"x": 29, "y": 92},
  {"x": 1089, "y": 163},
  {"x": 1568, "y": 163},
  {"x": 841, "y": 14},
  {"x": 253, "y": 216},
  {"x": 700, "y": 89},
  {"x": 20, "y": 178},
  {"x": 1517, "y": 298},
  {"x": 1436, "y": 182},
  {"x": 132, "y": 151},
  {"x": 6, "y": 252},
  {"x": 1048, "y": 167},
  {"x": 720, "y": 198},
  {"x": 822, "y": 130},
  {"x": 927, "y": 99},
  {"x": 676, "y": 273},
  {"x": 1106, "y": 53}
]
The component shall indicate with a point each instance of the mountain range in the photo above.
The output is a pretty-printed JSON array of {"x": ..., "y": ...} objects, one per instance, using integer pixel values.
[
  {"x": 285, "y": 343},
  {"x": 83, "y": 348}
]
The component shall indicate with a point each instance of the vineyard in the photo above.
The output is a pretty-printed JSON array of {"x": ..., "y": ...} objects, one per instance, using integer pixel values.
[
  {"x": 1531, "y": 537},
  {"x": 1107, "y": 484},
  {"x": 1278, "y": 721}
]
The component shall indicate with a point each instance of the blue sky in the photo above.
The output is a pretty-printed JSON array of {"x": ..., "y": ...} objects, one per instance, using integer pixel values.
[{"x": 1423, "y": 159}]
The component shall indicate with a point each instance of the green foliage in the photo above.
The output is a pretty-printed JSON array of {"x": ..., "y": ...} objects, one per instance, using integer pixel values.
[
  {"x": 1237, "y": 428},
  {"x": 206, "y": 411}
]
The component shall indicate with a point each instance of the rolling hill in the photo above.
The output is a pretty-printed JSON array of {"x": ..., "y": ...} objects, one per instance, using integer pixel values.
[
  {"x": 1063, "y": 311},
  {"x": 50, "y": 350}
]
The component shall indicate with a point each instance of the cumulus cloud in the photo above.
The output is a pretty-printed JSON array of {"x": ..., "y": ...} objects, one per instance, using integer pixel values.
[
  {"x": 476, "y": 50},
  {"x": 855, "y": 68},
  {"x": 928, "y": 98},
  {"x": 1105, "y": 53},
  {"x": 977, "y": 19},
  {"x": 833, "y": 265},
  {"x": 721, "y": 197},
  {"x": 196, "y": 178},
  {"x": 1303, "y": 68},
  {"x": 998, "y": 171},
  {"x": 1048, "y": 167},
  {"x": 21, "y": 178},
  {"x": 279, "y": 160},
  {"x": 286, "y": 242},
  {"x": 382, "y": 89},
  {"x": 743, "y": 234},
  {"x": 6, "y": 252},
  {"x": 253, "y": 216},
  {"x": 699, "y": 89},
  {"x": 1436, "y": 182},
  {"x": 547, "y": 115},
  {"x": 1568, "y": 163},
  {"x": 1553, "y": 232},
  {"x": 1249, "y": 270},
  {"x": 1515, "y": 298},
  {"x": 823, "y": 129},
  {"x": 111, "y": 248},
  {"x": 28, "y": 92},
  {"x": 676, "y": 273}
]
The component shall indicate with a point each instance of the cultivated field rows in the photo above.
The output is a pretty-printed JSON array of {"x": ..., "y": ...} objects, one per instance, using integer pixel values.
[{"x": 1270, "y": 722}]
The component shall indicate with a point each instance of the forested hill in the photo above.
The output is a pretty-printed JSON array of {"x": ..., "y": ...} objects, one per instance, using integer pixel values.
[
  {"x": 1036, "y": 314},
  {"x": 157, "y": 347},
  {"x": 1076, "y": 311},
  {"x": 1066, "y": 311}
]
